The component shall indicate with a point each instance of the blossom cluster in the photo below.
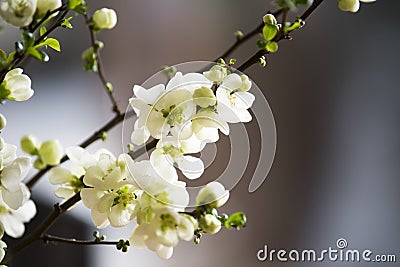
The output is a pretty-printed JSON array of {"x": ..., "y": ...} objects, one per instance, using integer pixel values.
[
  {"x": 184, "y": 115},
  {"x": 16, "y": 207}
]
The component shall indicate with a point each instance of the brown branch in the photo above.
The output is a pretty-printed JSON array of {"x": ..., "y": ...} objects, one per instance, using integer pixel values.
[
  {"x": 47, "y": 238},
  {"x": 91, "y": 139},
  {"x": 19, "y": 58},
  {"x": 100, "y": 70},
  {"x": 38, "y": 233}
]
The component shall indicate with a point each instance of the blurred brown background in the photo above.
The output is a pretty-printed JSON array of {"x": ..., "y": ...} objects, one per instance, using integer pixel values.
[{"x": 333, "y": 90}]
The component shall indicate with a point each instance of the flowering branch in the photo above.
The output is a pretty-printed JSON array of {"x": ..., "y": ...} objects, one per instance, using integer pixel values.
[
  {"x": 179, "y": 118},
  {"x": 242, "y": 39},
  {"x": 281, "y": 35},
  {"x": 55, "y": 25},
  {"x": 34, "y": 27}
]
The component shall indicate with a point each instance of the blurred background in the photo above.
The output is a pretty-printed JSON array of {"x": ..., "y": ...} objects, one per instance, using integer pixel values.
[{"x": 334, "y": 92}]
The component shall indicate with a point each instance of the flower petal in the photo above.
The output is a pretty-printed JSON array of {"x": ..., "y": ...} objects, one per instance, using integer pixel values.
[{"x": 190, "y": 166}]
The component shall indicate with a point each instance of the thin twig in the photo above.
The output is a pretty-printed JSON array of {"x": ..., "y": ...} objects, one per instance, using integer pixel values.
[
  {"x": 53, "y": 27},
  {"x": 240, "y": 41},
  {"x": 254, "y": 59},
  {"x": 47, "y": 238},
  {"x": 19, "y": 58},
  {"x": 100, "y": 70},
  {"x": 33, "y": 28},
  {"x": 38, "y": 233}
]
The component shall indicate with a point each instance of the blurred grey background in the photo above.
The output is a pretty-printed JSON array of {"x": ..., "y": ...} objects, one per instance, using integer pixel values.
[{"x": 334, "y": 92}]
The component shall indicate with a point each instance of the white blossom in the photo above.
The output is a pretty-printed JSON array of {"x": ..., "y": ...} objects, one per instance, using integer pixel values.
[
  {"x": 43, "y": 6},
  {"x": 7, "y": 153},
  {"x": 163, "y": 232},
  {"x": 105, "y": 18},
  {"x": 162, "y": 108},
  {"x": 216, "y": 74},
  {"x": 171, "y": 150},
  {"x": 71, "y": 180},
  {"x": 112, "y": 197},
  {"x": 13, "y": 191},
  {"x": 16, "y": 86},
  {"x": 18, "y": 13},
  {"x": 13, "y": 219},
  {"x": 213, "y": 194},
  {"x": 352, "y": 5},
  {"x": 171, "y": 192},
  {"x": 233, "y": 100}
]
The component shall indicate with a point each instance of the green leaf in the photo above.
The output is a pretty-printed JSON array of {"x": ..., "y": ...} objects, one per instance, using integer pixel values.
[
  {"x": 34, "y": 53},
  {"x": 39, "y": 55},
  {"x": 294, "y": 26},
  {"x": 3, "y": 55},
  {"x": 72, "y": 4},
  {"x": 66, "y": 23},
  {"x": 236, "y": 220},
  {"x": 269, "y": 32},
  {"x": 272, "y": 47},
  {"x": 10, "y": 57},
  {"x": 42, "y": 30},
  {"x": 81, "y": 9},
  {"x": 3, "y": 58},
  {"x": 53, "y": 43},
  {"x": 90, "y": 60}
]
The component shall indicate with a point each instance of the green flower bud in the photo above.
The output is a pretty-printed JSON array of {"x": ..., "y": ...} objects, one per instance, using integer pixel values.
[
  {"x": 30, "y": 144},
  {"x": 50, "y": 152},
  {"x": 210, "y": 224},
  {"x": 270, "y": 19},
  {"x": 216, "y": 74},
  {"x": 3, "y": 122},
  {"x": 39, "y": 164},
  {"x": 204, "y": 97},
  {"x": 213, "y": 195},
  {"x": 239, "y": 35}
]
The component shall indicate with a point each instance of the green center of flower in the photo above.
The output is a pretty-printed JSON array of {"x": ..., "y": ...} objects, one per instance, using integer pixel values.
[
  {"x": 77, "y": 184},
  {"x": 3, "y": 210},
  {"x": 19, "y": 8},
  {"x": 173, "y": 114},
  {"x": 124, "y": 197},
  {"x": 173, "y": 151},
  {"x": 232, "y": 98},
  {"x": 168, "y": 222}
]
